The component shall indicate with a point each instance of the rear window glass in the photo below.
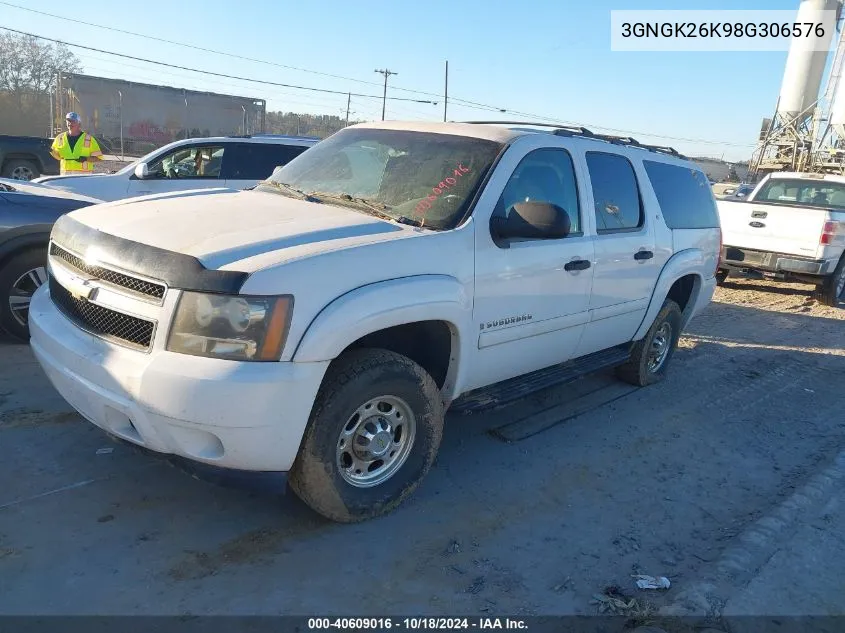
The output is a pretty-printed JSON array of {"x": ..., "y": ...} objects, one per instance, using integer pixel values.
[
  {"x": 803, "y": 193},
  {"x": 684, "y": 196}
]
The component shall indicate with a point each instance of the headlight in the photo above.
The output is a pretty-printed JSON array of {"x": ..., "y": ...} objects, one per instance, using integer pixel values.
[{"x": 230, "y": 327}]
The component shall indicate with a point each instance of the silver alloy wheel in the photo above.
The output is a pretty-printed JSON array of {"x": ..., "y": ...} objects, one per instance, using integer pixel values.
[
  {"x": 22, "y": 172},
  {"x": 22, "y": 291},
  {"x": 376, "y": 441},
  {"x": 660, "y": 346}
]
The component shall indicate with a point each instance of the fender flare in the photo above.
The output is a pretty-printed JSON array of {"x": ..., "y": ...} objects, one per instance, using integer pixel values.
[
  {"x": 687, "y": 262},
  {"x": 25, "y": 238},
  {"x": 385, "y": 304}
]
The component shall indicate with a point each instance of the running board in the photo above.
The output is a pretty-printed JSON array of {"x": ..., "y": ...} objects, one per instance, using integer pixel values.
[{"x": 513, "y": 389}]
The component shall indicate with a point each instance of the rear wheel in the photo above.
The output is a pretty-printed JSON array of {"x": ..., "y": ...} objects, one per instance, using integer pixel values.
[
  {"x": 721, "y": 277},
  {"x": 20, "y": 170},
  {"x": 373, "y": 435},
  {"x": 19, "y": 279},
  {"x": 650, "y": 356},
  {"x": 832, "y": 291}
]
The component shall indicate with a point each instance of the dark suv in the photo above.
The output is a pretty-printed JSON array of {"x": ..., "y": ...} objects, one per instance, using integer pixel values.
[{"x": 27, "y": 214}]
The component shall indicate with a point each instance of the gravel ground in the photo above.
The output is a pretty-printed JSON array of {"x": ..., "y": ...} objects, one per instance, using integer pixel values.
[{"x": 608, "y": 483}]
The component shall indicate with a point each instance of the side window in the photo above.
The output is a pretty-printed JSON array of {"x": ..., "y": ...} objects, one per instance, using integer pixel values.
[
  {"x": 615, "y": 192},
  {"x": 684, "y": 196},
  {"x": 256, "y": 161},
  {"x": 544, "y": 175},
  {"x": 189, "y": 162}
]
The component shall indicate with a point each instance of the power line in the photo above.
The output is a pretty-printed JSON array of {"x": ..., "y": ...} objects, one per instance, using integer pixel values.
[
  {"x": 192, "y": 46},
  {"x": 209, "y": 50},
  {"x": 242, "y": 57},
  {"x": 464, "y": 102},
  {"x": 209, "y": 72},
  {"x": 190, "y": 82}
]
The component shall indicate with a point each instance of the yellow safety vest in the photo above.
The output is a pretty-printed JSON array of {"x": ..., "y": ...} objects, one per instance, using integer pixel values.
[{"x": 86, "y": 145}]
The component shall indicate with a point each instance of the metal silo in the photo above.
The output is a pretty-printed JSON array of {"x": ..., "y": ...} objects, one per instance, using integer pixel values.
[
  {"x": 802, "y": 76},
  {"x": 837, "y": 108}
]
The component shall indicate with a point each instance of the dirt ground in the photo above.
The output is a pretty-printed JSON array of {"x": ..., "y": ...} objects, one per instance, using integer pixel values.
[{"x": 532, "y": 509}]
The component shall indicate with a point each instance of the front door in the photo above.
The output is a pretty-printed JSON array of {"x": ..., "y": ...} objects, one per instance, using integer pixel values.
[
  {"x": 626, "y": 262},
  {"x": 531, "y": 297},
  {"x": 187, "y": 167}
]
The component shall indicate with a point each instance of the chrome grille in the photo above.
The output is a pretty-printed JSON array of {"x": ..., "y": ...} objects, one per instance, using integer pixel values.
[
  {"x": 101, "y": 321},
  {"x": 106, "y": 275}
]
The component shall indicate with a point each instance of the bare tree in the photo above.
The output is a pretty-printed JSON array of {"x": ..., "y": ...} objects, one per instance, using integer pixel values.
[{"x": 28, "y": 69}]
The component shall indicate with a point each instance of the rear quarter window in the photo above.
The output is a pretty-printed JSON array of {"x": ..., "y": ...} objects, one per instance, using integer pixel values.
[{"x": 684, "y": 196}]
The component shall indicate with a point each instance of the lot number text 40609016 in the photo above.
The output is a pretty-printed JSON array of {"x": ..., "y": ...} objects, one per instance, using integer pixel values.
[{"x": 383, "y": 624}]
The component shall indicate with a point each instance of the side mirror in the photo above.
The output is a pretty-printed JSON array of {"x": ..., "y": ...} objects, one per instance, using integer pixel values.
[
  {"x": 531, "y": 220},
  {"x": 142, "y": 171}
]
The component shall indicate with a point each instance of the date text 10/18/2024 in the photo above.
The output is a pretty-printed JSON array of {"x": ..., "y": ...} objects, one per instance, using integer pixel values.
[{"x": 383, "y": 624}]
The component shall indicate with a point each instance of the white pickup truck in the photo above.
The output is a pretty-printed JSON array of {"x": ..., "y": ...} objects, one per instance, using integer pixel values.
[
  {"x": 321, "y": 324},
  {"x": 792, "y": 227}
]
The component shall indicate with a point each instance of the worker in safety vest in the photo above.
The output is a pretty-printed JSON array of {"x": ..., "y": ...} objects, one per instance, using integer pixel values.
[{"x": 75, "y": 150}]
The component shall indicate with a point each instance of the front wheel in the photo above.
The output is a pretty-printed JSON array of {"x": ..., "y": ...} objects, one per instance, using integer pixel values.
[
  {"x": 373, "y": 435},
  {"x": 19, "y": 279},
  {"x": 650, "y": 356}
]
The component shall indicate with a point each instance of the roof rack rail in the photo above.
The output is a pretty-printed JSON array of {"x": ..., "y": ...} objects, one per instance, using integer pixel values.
[
  {"x": 628, "y": 140},
  {"x": 560, "y": 130},
  {"x": 571, "y": 130}
]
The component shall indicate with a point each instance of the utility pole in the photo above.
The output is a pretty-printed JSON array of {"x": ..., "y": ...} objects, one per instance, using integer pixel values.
[
  {"x": 386, "y": 74},
  {"x": 446, "y": 92},
  {"x": 348, "y": 101}
]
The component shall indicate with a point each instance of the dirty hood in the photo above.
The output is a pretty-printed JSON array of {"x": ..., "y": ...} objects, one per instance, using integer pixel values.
[{"x": 222, "y": 227}]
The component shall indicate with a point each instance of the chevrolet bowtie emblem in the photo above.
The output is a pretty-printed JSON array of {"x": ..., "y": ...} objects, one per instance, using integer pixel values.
[{"x": 79, "y": 288}]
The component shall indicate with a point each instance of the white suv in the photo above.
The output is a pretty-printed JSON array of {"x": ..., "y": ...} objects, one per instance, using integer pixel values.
[
  {"x": 322, "y": 324},
  {"x": 198, "y": 163}
]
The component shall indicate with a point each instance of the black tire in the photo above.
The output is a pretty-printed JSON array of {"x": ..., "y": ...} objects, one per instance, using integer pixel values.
[
  {"x": 11, "y": 272},
  {"x": 353, "y": 380},
  {"x": 721, "y": 277},
  {"x": 832, "y": 291},
  {"x": 637, "y": 370},
  {"x": 19, "y": 169}
]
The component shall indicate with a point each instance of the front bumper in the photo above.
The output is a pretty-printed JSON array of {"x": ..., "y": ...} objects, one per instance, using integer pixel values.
[
  {"x": 236, "y": 415},
  {"x": 766, "y": 261}
]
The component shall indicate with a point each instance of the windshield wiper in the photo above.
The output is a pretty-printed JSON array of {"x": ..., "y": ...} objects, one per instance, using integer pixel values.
[
  {"x": 377, "y": 209},
  {"x": 281, "y": 186}
]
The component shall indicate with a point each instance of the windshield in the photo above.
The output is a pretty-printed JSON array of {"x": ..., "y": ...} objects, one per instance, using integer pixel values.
[
  {"x": 426, "y": 177},
  {"x": 803, "y": 193}
]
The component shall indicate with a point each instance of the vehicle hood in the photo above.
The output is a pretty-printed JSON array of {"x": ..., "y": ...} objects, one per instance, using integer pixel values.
[
  {"x": 59, "y": 181},
  {"x": 37, "y": 189},
  {"x": 105, "y": 186},
  {"x": 222, "y": 227}
]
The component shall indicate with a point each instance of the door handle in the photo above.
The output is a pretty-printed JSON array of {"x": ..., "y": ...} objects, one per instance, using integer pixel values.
[
  {"x": 577, "y": 264},
  {"x": 759, "y": 214},
  {"x": 643, "y": 255}
]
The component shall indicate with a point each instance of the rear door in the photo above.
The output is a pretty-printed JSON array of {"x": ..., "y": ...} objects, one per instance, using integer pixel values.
[
  {"x": 626, "y": 261},
  {"x": 786, "y": 216},
  {"x": 247, "y": 163}
]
